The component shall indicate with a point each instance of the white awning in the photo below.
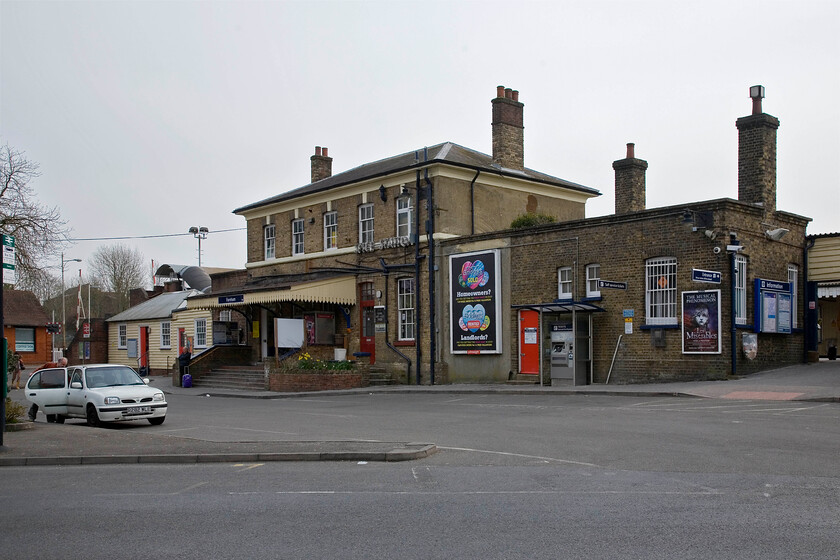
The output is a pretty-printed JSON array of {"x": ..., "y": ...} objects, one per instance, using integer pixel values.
[{"x": 341, "y": 291}]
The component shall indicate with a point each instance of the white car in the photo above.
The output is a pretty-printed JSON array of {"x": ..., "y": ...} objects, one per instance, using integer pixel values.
[{"x": 97, "y": 393}]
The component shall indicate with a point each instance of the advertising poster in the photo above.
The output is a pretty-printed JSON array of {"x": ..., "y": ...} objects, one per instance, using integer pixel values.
[
  {"x": 474, "y": 303},
  {"x": 701, "y": 322}
]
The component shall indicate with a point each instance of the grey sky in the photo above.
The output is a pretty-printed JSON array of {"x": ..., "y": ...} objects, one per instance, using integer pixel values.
[{"x": 151, "y": 117}]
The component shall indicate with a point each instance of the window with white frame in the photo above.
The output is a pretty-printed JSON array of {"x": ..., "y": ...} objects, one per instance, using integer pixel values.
[
  {"x": 24, "y": 339},
  {"x": 793, "y": 278},
  {"x": 740, "y": 290},
  {"x": 165, "y": 334},
  {"x": 661, "y": 291},
  {"x": 200, "y": 333},
  {"x": 564, "y": 282},
  {"x": 366, "y": 223},
  {"x": 330, "y": 230},
  {"x": 122, "y": 336},
  {"x": 225, "y": 315},
  {"x": 297, "y": 237},
  {"x": 593, "y": 275},
  {"x": 405, "y": 305},
  {"x": 268, "y": 234},
  {"x": 405, "y": 216}
]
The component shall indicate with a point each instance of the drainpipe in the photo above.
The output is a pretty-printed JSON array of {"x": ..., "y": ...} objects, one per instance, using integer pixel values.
[
  {"x": 734, "y": 337},
  {"x": 472, "y": 202},
  {"x": 810, "y": 337},
  {"x": 418, "y": 352},
  {"x": 430, "y": 234}
]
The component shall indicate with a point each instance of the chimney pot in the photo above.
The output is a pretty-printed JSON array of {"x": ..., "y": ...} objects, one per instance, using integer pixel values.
[
  {"x": 324, "y": 152},
  {"x": 515, "y": 95},
  {"x": 317, "y": 150},
  {"x": 500, "y": 91},
  {"x": 508, "y": 93},
  {"x": 631, "y": 150}
]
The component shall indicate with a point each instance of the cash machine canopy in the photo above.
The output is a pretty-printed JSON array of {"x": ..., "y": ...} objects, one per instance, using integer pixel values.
[{"x": 558, "y": 307}]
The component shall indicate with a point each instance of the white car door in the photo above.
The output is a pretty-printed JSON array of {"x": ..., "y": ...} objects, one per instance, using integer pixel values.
[
  {"x": 48, "y": 389},
  {"x": 76, "y": 398}
]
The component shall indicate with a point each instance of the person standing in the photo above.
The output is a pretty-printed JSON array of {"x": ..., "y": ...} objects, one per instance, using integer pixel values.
[
  {"x": 62, "y": 362},
  {"x": 15, "y": 366}
]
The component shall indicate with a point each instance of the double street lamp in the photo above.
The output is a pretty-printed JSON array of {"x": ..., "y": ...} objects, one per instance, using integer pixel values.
[
  {"x": 199, "y": 233},
  {"x": 64, "y": 304}
]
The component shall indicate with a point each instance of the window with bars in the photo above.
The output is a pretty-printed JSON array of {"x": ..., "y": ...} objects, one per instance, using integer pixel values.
[
  {"x": 297, "y": 237},
  {"x": 330, "y": 230},
  {"x": 165, "y": 334},
  {"x": 593, "y": 275},
  {"x": 268, "y": 234},
  {"x": 661, "y": 291},
  {"x": 366, "y": 223},
  {"x": 226, "y": 315},
  {"x": 405, "y": 308},
  {"x": 405, "y": 216},
  {"x": 740, "y": 290},
  {"x": 564, "y": 282},
  {"x": 793, "y": 278}
]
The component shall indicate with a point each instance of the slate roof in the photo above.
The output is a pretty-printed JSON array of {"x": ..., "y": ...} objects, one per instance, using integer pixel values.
[
  {"x": 448, "y": 153},
  {"x": 159, "y": 307},
  {"x": 22, "y": 309}
]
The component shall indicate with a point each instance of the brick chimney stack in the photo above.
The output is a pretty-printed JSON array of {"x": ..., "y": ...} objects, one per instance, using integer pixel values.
[
  {"x": 757, "y": 155},
  {"x": 321, "y": 164},
  {"x": 508, "y": 131},
  {"x": 630, "y": 182}
]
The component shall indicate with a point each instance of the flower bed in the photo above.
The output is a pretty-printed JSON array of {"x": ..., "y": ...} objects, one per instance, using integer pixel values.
[{"x": 309, "y": 374}]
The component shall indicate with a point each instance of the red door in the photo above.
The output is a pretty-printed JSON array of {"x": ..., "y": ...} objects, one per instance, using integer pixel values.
[
  {"x": 529, "y": 342},
  {"x": 367, "y": 340},
  {"x": 144, "y": 350}
]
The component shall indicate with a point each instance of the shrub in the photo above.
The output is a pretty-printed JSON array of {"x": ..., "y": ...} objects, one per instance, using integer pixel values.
[
  {"x": 531, "y": 219},
  {"x": 14, "y": 411},
  {"x": 307, "y": 362}
]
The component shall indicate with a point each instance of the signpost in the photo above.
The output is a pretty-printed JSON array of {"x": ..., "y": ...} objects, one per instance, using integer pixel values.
[
  {"x": 612, "y": 285},
  {"x": 7, "y": 261},
  {"x": 9, "y": 255}
]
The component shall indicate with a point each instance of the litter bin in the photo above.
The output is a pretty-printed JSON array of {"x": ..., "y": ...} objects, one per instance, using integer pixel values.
[{"x": 832, "y": 352}]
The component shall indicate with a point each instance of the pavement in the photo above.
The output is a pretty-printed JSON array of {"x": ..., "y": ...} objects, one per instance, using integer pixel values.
[{"x": 39, "y": 443}]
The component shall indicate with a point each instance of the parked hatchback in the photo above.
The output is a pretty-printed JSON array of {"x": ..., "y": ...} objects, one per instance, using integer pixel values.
[{"x": 97, "y": 393}]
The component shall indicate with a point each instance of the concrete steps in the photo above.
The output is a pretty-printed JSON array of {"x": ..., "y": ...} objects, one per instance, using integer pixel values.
[{"x": 246, "y": 378}]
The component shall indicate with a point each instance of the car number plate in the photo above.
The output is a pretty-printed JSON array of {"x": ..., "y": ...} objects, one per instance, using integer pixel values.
[{"x": 138, "y": 410}]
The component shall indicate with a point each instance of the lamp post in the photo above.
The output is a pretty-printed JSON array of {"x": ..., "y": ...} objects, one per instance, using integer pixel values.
[
  {"x": 64, "y": 304},
  {"x": 199, "y": 233}
]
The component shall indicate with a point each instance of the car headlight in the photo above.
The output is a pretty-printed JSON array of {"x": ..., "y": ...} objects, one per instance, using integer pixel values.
[
  {"x": 158, "y": 397},
  {"x": 112, "y": 400}
]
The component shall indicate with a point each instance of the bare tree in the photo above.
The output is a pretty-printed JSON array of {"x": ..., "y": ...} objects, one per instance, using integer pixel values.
[
  {"x": 118, "y": 268},
  {"x": 40, "y": 232}
]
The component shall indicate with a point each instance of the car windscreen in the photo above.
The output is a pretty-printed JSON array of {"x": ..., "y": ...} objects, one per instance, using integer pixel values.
[{"x": 116, "y": 376}]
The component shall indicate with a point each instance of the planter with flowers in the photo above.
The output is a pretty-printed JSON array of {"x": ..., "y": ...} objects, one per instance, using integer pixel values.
[{"x": 305, "y": 373}]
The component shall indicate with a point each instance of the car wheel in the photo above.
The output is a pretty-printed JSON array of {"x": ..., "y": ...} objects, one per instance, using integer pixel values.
[
  {"x": 92, "y": 416},
  {"x": 157, "y": 421},
  {"x": 59, "y": 419},
  {"x": 51, "y": 418}
]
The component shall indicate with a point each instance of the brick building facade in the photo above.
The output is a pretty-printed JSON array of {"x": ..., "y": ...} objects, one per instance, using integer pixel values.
[{"x": 410, "y": 263}]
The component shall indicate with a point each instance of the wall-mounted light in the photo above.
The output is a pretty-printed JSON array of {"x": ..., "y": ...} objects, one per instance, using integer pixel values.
[
  {"x": 734, "y": 244},
  {"x": 776, "y": 234},
  {"x": 311, "y": 220},
  {"x": 383, "y": 194},
  {"x": 699, "y": 221}
]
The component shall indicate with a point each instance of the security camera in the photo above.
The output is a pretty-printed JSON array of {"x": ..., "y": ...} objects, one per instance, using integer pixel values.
[{"x": 716, "y": 250}]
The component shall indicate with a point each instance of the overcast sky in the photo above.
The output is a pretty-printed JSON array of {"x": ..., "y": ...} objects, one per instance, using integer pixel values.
[{"x": 150, "y": 117}]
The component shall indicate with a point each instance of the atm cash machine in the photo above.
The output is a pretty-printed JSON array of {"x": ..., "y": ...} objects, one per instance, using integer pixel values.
[{"x": 562, "y": 353}]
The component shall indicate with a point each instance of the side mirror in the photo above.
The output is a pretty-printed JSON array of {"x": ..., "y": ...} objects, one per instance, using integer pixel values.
[
  {"x": 76, "y": 385},
  {"x": 146, "y": 380}
]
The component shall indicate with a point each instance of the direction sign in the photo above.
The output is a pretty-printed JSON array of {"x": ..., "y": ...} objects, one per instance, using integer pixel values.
[{"x": 613, "y": 285}]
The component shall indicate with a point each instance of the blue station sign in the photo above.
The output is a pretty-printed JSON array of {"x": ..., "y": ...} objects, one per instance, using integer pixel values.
[
  {"x": 709, "y": 276},
  {"x": 238, "y": 298}
]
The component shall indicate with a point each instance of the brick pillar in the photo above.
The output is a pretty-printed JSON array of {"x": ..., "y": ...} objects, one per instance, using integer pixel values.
[
  {"x": 321, "y": 164},
  {"x": 629, "y": 183},
  {"x": 757, "y": 156},
  {"x": 508, "y": 131}
]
